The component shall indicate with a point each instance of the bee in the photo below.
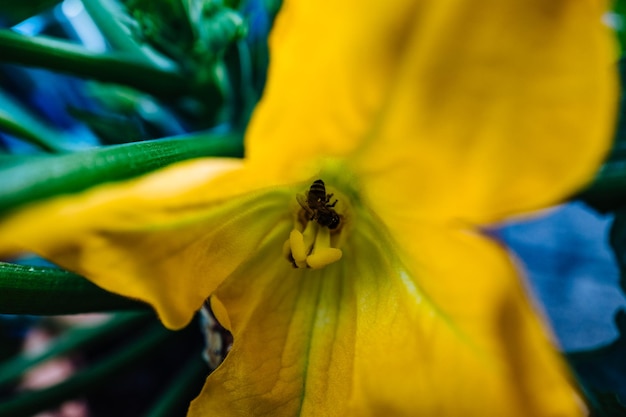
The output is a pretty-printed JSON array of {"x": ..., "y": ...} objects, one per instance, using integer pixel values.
[{"x": 317, "y": 205}]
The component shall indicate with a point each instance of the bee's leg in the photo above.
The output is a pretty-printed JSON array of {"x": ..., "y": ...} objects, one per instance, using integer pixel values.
[
  {"x": 328, "y": 197},
  {"x": 332, "y": 205}
]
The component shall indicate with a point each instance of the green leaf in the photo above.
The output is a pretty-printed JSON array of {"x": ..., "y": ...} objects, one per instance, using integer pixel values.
[
  {"x": 51, "y": 291},
  {"x": 49, "y": 176},
  {"x": 14, "y": 11},
  {"x": 74, "y": 339},
  {"x": 115, "y": 67}
]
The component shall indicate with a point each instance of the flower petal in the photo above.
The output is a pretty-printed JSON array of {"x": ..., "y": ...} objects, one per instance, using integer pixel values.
[
  {"x": 496, "y": 108},
  {"x": 357, "y": 338},
  {"x": 331, "y": 64},
  {"x": 473, "y": 284},
  {"x": 168, "y": 238}
]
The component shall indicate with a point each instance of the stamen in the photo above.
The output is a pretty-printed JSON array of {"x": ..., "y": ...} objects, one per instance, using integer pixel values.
[
  {"x": 310, "y": 231},
  {"x": 323, "y": 254},
  {"x": 298, "y": 249},
  {"x": 311, "y": 248}
]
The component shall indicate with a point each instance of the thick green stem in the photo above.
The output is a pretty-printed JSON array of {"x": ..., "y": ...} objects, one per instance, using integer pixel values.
[
  {"x": 51, "y": 291},
  {"x": 114, "y": 67},
  {"x": 54, "y": 175}
]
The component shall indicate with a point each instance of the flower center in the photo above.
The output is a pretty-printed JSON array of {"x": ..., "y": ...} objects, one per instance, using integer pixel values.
[{"x": 317, "y": 225}]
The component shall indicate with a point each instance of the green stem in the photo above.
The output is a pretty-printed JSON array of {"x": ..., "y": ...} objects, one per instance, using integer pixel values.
[
  {"x": 50, "y": 176},
  {"x": 16, "y": 11},
  {"x": 114, "y": 67},
  {"x": 19, "y": 121},
  {"x": 51, "y": 291},
  {"x": 30, "y": 403},
  {"x": 180, "y": 391},
  {"x": 248, "y": 94},
  {"x": 107, "y": 17},
  {"x": 73, "y": 340}
]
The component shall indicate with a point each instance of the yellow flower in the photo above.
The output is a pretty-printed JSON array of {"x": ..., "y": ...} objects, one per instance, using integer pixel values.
[{"x": 425, "y": 120}]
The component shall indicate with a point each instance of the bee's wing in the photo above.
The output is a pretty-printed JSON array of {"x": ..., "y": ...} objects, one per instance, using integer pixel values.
[{"x": 302, "y": 200}]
